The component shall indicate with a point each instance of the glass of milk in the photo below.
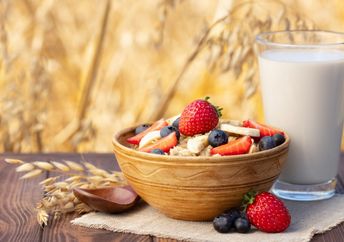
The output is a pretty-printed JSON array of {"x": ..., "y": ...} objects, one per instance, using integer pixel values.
[{"x": 302, "y": 83}]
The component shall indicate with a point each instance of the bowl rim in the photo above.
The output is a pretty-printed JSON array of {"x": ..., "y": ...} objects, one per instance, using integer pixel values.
[{"x": 276, "y": 151}]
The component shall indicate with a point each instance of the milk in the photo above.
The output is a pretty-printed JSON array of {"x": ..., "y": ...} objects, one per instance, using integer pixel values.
[{"x": 303, "y": 94}]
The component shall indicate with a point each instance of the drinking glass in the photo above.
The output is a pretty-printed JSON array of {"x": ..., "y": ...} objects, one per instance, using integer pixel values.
[{"x": 302, "y": 76}]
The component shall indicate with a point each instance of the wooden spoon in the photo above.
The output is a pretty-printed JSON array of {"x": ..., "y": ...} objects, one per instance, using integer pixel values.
[{"x": 109, "y": 200}]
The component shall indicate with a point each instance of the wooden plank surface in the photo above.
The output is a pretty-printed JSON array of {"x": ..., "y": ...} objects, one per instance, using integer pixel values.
[
  {"x": 17, "y": 203},
  {"x": 62, "y": 230},
  {"x": 18, "y": 198}
]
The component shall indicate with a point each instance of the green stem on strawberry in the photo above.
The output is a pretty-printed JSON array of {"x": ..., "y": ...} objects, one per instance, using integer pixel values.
[
  {"x": 217, "y": 108},
  {"x": 248, "y": 199}
]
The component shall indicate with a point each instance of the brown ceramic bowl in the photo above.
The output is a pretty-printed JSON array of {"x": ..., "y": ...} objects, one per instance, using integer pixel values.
[{"x": 196, "y": 188}]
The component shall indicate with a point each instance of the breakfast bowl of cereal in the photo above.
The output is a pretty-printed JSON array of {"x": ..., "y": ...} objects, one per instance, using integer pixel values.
[{"x": 194, "y": 166}]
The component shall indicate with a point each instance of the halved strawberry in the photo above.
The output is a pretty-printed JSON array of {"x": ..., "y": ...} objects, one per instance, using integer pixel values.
[
  {"x": 135, "y": 140},
  {"x": 264, "y": 129},
  {"x": 164, "y": 144},
  {"x": 235, "y": 147}
]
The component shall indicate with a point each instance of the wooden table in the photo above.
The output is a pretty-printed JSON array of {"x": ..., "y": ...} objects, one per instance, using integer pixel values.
[{"x": 18, "y": 199}]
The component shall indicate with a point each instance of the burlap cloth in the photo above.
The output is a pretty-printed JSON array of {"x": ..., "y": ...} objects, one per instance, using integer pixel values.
[{"x": 308, "y": 218}]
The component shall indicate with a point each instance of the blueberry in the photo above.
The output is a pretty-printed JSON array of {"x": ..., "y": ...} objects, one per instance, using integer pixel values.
[
  {"x": 176, "y": 123},
  {"x": 242, "y": 225},
  {"x": 217, "y": 137},
  {"x": 232, "y": 214},
  {"x": 222, "y": 224},
  {"x": 266, "y": 143},
  {"x": 141, "y": 128},
  {"x": 278, "y": 138},
  {"x": 243, "y": 215},
  {"x": 157, "y": 151},
  {"x": 169, "y": 129}
]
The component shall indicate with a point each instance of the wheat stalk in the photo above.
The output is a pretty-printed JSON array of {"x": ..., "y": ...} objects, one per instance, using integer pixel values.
[
  {"x": 46, "y": 57},
  {"x": 13, "y": 161},
  {"x": 88, "y": 81},
  {"x": 163, "y": 105},
  {"x": 164, "y": 7},
  {"x": 58, "y": 191},
  {"x": 229, "y": 43}
]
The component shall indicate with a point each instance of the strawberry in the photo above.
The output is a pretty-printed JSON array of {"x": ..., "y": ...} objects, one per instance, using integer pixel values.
[
  {"x": 235, "y": 147},
  {"x": 164, "y": 144},
  {"x": 199, "y": 117},
  {"x": 135, "y": 140},
  {"x": 264, "y": 129},
  {"x": 266, "y": 212}
]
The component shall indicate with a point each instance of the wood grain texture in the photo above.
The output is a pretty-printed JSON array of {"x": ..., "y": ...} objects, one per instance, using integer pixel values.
[
  {"x": 17, "y": 201},
  {"x": 62, "y": 230},
  {"x": 107, "y": 199},
  {"x": 22, "y": 196}
]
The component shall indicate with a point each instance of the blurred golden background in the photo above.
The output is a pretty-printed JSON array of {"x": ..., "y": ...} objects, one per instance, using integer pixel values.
[{"x": 72, "y": 72}]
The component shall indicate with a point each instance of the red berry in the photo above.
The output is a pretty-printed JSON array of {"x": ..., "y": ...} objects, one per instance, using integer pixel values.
[
  {"x": 164, "y": 144},
  {"x": 198, "y": 117},
  {"x": 264, "y": 129},
  {"x": 268, "y": 213},
  {"x": 235, "y": 147},
  {"x": 135, "y": 140}
]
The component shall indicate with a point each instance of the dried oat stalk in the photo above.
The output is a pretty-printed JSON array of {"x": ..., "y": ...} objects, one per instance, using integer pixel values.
[
  {"x": 58, "y": 196},
  {"x": 164, "y": 7},
  {"x": 229, "y": 43}
]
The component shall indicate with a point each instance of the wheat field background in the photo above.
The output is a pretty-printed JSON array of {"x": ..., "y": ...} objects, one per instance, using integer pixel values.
[{"x": 72, "y": 72}]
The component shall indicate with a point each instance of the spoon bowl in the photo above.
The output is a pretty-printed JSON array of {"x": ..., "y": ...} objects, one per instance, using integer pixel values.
[{"x": 109, "y": 199}]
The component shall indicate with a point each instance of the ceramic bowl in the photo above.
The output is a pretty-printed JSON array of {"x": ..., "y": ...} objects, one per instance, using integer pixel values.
[{"x": 196, "y": 188}]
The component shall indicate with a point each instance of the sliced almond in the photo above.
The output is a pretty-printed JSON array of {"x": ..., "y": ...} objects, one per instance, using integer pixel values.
[
  {"x": 149, "y": 138},
  {"x": 240, "y": 130},
  {"x": 197, "y": 144}
]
